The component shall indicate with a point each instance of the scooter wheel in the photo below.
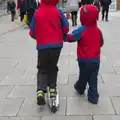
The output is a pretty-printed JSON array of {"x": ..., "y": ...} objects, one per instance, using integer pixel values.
[{"x": 53, "y": 109}]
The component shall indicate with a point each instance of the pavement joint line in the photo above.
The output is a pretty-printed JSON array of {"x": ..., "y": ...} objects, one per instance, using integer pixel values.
[
  {"x": 115, "y": 70},
  {"x": 66, "y": 101},
  {"x": 10, "y": 91},
  {"x": 1, "y": 34},
  {"x": 20, "y": 107},
  {"x": 113, "y": 106},
  {"x": 101, "y": 78}
]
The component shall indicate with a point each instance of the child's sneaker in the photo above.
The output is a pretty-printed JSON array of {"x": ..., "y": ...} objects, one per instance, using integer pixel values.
[
  {"x": 78, "y": 90},
  {"x": 41, "y": 98},
  {"x": 53, "y": 92}
]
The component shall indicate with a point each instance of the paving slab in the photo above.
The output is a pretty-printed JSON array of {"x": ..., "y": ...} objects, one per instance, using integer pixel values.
[
  {"x": 23, "y": 92},
  {"x": 83, "y": 107},
  {"x": 68, "y": 118},
  {"x": 106, "y": 117},
  {"x": 20, "y": 118},
  {"x": 109, "y": 90},
  {"x": 111, "y": 78},
  {"x": 10, "y": 107},
  {"x": 116, "y": 104},
  {"x": 31, "y": 109},
  {"x": 18, "y": 80},
  {"x": 5, "y": 90}
]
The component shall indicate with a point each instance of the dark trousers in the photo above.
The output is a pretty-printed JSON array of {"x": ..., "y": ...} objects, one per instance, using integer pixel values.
[
  {"x": 74, "y": 18},
  {"x": 22, "y": 15},
  {"x": 105, "y": 10},
  {"x": 88, "y": 74},
  {"x": 47, "y": 68},
  {"x": 30, "y": 13},
  {"x": 80, "y": 4},
  {"x": 13, "y": 15}
]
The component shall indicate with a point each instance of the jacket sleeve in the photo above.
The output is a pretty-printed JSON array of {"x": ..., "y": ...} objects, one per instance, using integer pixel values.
[
  {"x": 32, "y": 32},
  {"x": 102, "y": 41},
  {"x": 18, "y": 4},
  {"x": 75, "y": 35},
  {"x": 64, "y": 22}
]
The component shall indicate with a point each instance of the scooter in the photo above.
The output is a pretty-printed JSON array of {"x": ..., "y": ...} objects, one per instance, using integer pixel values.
[{"x": 53, "y": 102}]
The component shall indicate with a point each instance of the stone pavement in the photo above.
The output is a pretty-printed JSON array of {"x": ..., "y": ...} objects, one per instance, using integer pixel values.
[
  {"x": 6, "y": 25},
  {"x": 18, "y": 79}
]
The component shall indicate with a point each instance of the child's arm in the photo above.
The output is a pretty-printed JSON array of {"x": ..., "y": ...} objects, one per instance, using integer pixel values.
[
  {"x": 32, "y": 28},
  {"x": 75, "y": 35},
  {"x": 64, "y": 22}
]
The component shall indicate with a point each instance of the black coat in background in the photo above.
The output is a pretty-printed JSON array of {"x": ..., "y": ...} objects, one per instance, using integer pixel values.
[
  {"x": 31, "y": 4},
  {"x": 105, "y": 3},
  {"x": 86, "y": 2}
]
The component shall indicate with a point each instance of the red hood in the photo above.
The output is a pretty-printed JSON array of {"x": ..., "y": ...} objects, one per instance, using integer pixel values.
[
  {"x": 89, "y": 15},
  {"x": 50, "y": 2}
]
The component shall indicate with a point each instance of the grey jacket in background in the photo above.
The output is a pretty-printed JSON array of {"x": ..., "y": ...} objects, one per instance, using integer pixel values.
[
  {"x": 30, "y": 4},
  {"x": 70, "y": 6}
]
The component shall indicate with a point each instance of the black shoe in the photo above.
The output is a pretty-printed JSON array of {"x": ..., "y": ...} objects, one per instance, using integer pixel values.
[
  {"x": 40, "y": 98},
  {"x": 73, "y": 25},
  {"x": 93, "y": 101},
  {"x": 106, "y": 20},
  {"x": 21, "y": 20},
  {"x": 78, "y": 90},
  {"x": 76, "y": 23}
]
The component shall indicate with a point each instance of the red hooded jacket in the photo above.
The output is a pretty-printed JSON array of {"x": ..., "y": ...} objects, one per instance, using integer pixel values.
[
  {"x": 49, "y": 25},
  {"x": 88, "y": 36}
]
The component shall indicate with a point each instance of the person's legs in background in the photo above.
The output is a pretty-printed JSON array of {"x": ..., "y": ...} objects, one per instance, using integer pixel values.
[
  {"x": 107, "y": 11},
  {"x": 13, "y": 15},
  {"x": 22, "y": 16},
  {"x": 75, "y": 13},
  {"x": 72, "y": 18},
  {"x": 103, "y": 13}
]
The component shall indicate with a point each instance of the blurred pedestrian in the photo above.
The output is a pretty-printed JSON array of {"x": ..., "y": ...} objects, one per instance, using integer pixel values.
[
  {"x": 73, "y": 8},
  {"x": 105, "y": 8},
  {"x": 31, "y": 6},
  {"x": 97, "y": 4},
  {"x": 21, "y": 8},
  {"x": 11, "y": 7}
]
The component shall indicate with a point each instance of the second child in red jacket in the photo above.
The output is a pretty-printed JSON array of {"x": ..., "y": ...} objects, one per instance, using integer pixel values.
[
  {"x": 89, "y": 42},
  {"x": 48, "y": 27}
]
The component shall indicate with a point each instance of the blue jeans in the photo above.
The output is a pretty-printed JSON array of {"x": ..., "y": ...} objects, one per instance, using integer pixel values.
[{"x": 88, "y": 74}]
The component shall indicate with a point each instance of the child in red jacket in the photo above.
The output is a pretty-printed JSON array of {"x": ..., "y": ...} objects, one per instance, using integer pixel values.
[
  {"x": 89, "y": 41},
  {"x": 48, "y": 27}
]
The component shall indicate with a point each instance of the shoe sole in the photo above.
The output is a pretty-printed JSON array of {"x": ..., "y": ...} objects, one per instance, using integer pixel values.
[{"x": 41, "y": 101}]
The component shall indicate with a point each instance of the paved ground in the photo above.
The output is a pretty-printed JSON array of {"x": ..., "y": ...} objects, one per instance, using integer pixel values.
[
  {"x": 7, "y": 26},
  {"x": 18, "y": 78}
]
